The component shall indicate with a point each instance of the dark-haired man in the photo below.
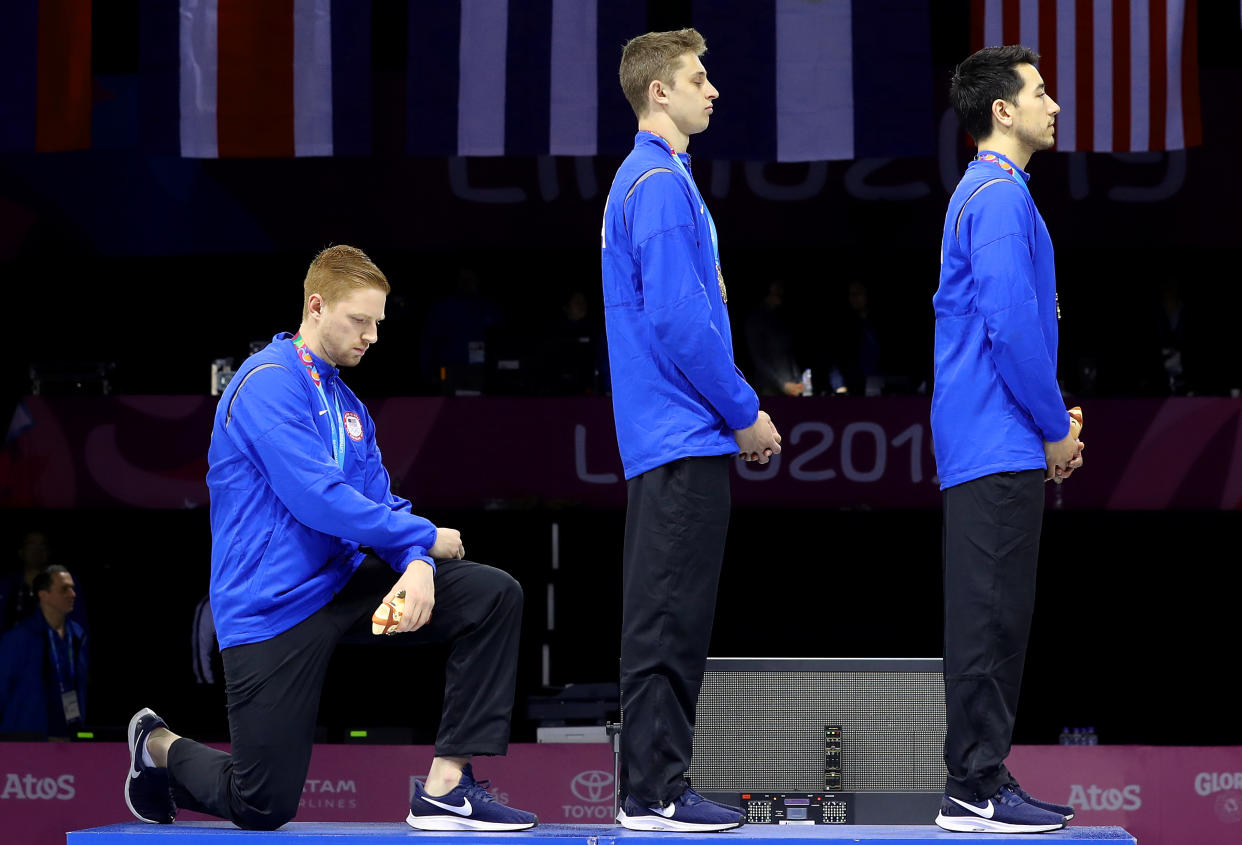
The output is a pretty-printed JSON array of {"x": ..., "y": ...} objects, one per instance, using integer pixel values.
[
  {"x": 43, "y": 663},
  {"x": 682, "y": 410},
  {"x": 1000, "y": 429}
]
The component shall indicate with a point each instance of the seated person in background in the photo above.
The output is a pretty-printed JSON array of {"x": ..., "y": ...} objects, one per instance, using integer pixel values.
[{"x": 771, "y": 346}]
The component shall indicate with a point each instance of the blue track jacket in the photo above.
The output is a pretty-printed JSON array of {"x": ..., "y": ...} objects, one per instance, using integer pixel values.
[
  {"x": 676, "y": 392},
  {"x": 29, "y": 686},
  {"x": 286, "y": 520},
  {"x": 996, "y": 398}
]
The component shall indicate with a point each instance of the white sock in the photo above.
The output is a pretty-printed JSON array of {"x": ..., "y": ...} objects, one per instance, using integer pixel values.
[{"x": 146, "y": 755}]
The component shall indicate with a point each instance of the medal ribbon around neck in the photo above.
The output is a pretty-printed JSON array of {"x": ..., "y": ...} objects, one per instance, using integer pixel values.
[
  {"x": 711, "y": 224},
  {"x": 1005, "y": 166},
  {"x": 335, "y": 422},
  {"x": 1012, "y": 171}
]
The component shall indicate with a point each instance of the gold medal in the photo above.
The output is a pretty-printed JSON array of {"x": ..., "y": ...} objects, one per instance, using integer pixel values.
[{"x": 724, "y": 294}]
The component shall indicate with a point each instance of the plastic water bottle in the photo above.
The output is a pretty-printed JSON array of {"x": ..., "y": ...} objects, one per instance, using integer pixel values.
[{"x": 806, "y": 382}]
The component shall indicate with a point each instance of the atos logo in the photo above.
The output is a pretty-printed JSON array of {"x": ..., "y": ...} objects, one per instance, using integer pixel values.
[
  {"x": 33, "y": 788},
  {"x": 592, "y": 785},
  {"x": 1097, "y": 798}
]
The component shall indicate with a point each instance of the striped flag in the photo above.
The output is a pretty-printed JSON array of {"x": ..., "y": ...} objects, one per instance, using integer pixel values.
[
  {"x": 1125, "y": 72},
  {"x": 813, "y": 80},
  {"x": 45, "y": 65},
  {"x": 518, "y": 77},
  {"x": 801, "y": 80},
  {"x": 523, "y": 77},
  {"x": 239, "y": 79}
]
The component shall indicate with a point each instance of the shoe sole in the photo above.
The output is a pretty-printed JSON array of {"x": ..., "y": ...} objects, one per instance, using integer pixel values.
[
  {"x": 133, "y": 736},
  {"x": 461, "y": 823},
  {"x": 661, "y": 824},
  {"x": 966, "y": 824}
]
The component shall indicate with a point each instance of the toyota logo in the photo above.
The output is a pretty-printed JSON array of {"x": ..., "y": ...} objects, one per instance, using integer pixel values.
[{"x": 592, "y": 785}]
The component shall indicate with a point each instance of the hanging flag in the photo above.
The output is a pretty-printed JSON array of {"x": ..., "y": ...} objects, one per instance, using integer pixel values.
[
  {"x": 239, "y": 79},
  {"x": 1125, "y": 72},
  {"x": 45, "y": 62},
  {"x": 518, "y": 77},
  {"x": 813, "y": 80}
]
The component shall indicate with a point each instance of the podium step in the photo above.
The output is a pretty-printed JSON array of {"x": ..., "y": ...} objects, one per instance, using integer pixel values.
[{"x": 338, "y": 833}]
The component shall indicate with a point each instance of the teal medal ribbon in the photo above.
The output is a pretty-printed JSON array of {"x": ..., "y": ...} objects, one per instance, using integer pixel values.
[
  {"x": 711, "y": 223},
  {"x": 335, "y": 421}
]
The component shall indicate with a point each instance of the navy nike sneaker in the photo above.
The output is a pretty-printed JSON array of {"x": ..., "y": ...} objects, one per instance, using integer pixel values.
[
  {"x": 690, "y": 813},
  {"x": 148, "y": 791},
  {"x": 1061, "y": 809},
  {"x": 468, "y": 806},
  {"x": 1004, "y": 812}
]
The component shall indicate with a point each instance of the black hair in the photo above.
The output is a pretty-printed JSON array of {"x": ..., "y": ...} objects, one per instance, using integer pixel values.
[
  {"x": 987, "y": 76},
  {"x": 43, "y": 581}
]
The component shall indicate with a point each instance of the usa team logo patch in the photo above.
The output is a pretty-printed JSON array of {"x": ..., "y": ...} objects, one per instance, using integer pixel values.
[{"x": 353, "y": 426}]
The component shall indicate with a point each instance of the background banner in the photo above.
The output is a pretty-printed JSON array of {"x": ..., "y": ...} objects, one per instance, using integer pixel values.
[{"x": 151, "y": 452}]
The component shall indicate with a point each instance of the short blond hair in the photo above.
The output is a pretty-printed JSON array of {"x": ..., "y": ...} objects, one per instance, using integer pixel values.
[
  {"x": 656, "y": 55},
  {"x": 338, "y": 271}
]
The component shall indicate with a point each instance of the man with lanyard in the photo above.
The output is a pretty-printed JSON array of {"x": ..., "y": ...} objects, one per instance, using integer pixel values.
[
  {"x": 1000, "y": 430},
  {"x": 43, "y": 664},
  {"x": 682, "y": 409},
  {"x": 307, "y": 539}
]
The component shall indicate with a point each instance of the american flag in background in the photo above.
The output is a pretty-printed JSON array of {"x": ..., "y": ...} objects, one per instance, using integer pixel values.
[
  {"x": 800, "y": 80},
  {"x": 1125, "y": 72}
]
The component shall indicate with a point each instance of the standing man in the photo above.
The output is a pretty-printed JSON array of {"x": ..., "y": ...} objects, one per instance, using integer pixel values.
[
  {"x": 43, "y": 663},
  {"x": 1000, "y": 430},
  {"x": 682, "y": 411},
  {"x": 307, "y": 539}
]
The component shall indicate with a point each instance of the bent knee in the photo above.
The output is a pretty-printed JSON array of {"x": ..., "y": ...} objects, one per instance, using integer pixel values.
[
  {"x": 274, "y": 814},
  {"x": 501, "y": 584}
]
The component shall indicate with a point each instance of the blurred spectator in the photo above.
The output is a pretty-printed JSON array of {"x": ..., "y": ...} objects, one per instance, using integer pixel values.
[
  {"x": 454, "y": 335},
  {"x": 17, "y": 595},
  {"x": 1174, "y": 333},
  {"x": 857, "y": 341},
  {"x": 771, "y": 345},
  {"x": 17, "y": 599},
  {"x": 43, "y": 664},
  {"x": 574, "y": 358}
]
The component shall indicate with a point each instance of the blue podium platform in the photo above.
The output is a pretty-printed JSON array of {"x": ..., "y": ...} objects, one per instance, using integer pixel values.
[{"x": 333, "y": 833}]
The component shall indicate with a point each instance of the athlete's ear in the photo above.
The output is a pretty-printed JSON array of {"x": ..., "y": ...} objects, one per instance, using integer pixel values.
[
  {"x": 656, "y": 92},
  {"x": 315, "y": 305},
  {"x": 1001, "y": 112}
]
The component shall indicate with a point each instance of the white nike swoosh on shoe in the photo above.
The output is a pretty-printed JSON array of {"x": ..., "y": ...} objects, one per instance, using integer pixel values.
[
  {"x": 464, "y": 810},
  {"x": 667, "y": 812},
  {"x": 985, "y": 812}
]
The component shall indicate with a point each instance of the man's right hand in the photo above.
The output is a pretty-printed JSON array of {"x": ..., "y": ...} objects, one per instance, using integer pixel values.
[
  {"x": 1058, "y": 455},
  {"x": 448, "y": 545},
  {"x": 759, "y": 441}
]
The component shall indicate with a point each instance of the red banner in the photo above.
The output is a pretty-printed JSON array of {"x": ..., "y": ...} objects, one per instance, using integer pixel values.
[{"x": 150, "y": 452}]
